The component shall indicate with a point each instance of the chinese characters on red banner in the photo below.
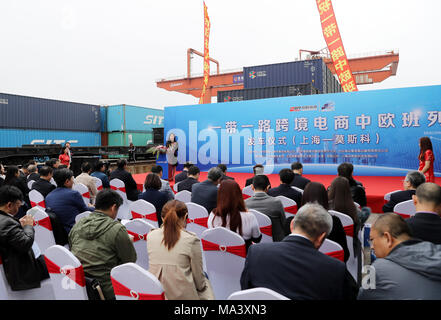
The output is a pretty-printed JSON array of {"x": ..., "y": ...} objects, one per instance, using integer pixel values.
[
  {"x": 206, "y": 54},
  {"x": 335, "y": 45}
]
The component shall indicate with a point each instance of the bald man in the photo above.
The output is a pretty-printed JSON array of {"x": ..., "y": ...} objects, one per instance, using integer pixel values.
[
  {"x": 397, "y": 274},
  {"x": 426, "y": 223}
]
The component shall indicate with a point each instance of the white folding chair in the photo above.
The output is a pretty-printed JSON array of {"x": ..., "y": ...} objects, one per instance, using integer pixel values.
[
  {"x": 139, "y": 228},
  {"x": 120, "y": 187},
  {"x": 333, "y": 249},
  {"x": 289, "y": 205},
  {"x": 84, "y": 191},
  {"x": 184, "y": 196},
  {"x": 141, "y": 209},
  {"x": 30, "y": 183},
  {"x": 247, "y": 192},
  {"x": 406, "y": 209},
  {"x": 98, "y": 183},
  {"x": 37, "y": 199},
  {"x": 66, "y": 274},
  {"x": 3, "y": 283},
  {"x": 132, "y": 282},
  {"x": 357, "y": 205},
  {"x": 348, "y": 226},
  {"x": 53, "y": 182},
  {"x": 44, "y": 236},
  {"x": 175, "y": 187},
  {"x": 265, "y": 225},
  {"x": 82, "y": 215},
  {"x": 387, "y": 196},
  {"x": 225, "y": 253},
  {"x": 197, "y": 218},
  {"x": 257, "y": 294},
  {"x": 297, "y": 189}
]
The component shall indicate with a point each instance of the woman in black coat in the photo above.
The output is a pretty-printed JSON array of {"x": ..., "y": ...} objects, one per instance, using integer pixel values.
[
  {"x": 152, "y": 194},
  {"x": 12, "y": 178}
]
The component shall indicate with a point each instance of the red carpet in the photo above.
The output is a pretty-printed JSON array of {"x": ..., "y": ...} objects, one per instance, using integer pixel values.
[{"x": 376, "y": 187}]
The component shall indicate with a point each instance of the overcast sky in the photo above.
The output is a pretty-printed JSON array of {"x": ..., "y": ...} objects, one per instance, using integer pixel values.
[{"x": 112, "y": 52}]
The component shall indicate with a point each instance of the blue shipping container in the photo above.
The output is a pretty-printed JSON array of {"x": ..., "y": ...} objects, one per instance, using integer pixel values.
[
  {"x": 45, "y": 114},
  {"x": 132, "y": 118},
  {"x": 103, "y": 113},
  {"x": 18, "y": 137},
  {"x": 288, "y": 73}
]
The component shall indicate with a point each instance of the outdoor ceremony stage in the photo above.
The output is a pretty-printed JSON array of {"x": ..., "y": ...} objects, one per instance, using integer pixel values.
[{"x": 376, "y": 186}]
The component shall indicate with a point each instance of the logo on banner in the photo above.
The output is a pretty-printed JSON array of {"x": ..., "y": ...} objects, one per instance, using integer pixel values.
[
  {"x": 328, "y": 106},
  {"x": 303, "y": 108}
]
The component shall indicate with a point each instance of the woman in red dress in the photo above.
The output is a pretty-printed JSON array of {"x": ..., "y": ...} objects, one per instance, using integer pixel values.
[
  {"x": 426, "y": 159},
  {"x": 64, "y": 157}
]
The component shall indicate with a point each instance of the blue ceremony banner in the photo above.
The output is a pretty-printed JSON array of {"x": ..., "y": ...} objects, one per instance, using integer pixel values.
[{"x": 377, "y": 131}]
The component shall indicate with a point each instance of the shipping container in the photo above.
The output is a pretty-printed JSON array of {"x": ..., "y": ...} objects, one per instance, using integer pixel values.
[
  {"x": 124, "y": 138},
  {"x": 289, "y": 73},
  {"x": 45, "y": 114},
  {"x": 103, "y": 113},
  {"x": 132, "y": 118},
  {"x": 264, "y": 93},
  {"x": 18, "y": 137}
]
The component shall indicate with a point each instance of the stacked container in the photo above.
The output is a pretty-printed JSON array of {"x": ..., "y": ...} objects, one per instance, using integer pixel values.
[
  {"x": 125, "y": 124},
  {"x": 29, "y": 120}
]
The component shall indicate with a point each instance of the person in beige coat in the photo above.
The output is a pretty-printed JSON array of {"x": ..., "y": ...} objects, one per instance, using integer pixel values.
[
  {"x": 87, "y": 180},
  {"x": 175, "y": 256}
]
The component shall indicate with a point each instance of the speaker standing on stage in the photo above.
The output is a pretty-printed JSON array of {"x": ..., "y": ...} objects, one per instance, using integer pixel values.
[
  {"x": 172, "y": 156},
  {"x": 426, "y": 159}
]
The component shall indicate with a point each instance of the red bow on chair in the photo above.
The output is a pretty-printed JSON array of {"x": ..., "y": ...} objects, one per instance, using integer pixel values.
[
  {"x": 150, "y": 216},
  {"x": 76, "y": 274},
  {"x": 121, "y": 290},
  {"x": 268, "y": 230},
  {"x": 349, "y": 230},
  {"x": 45, "y": 223},
  {"x": 123, "y": 189},
  {"x": 236, "y": 250},
  {"x": 245, "y": 196},
  {"x": 86, "y": 195},
  {"x": 137, "y": 236},
  {"x": 100, "y": 188},
  {"x": 291, "y": 209},
  {"x": 340, "y": 255},
  {"x": 403, "y": 215},
  {"x": 200, "y": 221},
  {"x": 41, "y": 204}
]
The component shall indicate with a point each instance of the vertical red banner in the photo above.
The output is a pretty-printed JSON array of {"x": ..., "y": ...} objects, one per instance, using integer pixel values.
[
  {"x": 206, "y": 54},
  {"x": 335, "y": 45}
]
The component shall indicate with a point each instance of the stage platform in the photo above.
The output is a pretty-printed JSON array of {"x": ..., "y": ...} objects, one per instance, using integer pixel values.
[{"x": 376, "y": 186}]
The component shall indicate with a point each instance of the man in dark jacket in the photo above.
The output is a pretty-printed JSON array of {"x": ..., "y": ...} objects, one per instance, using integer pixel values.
[
  {"x": 357, "y": 190},
  {"x": 412, "y": 180},
  {"x": 122, "y": 174},
  {"x": 23, "y": 271},
  {"x": 286, "y": 178},
  {"x": 33, "y": 173},
  {"x": 43, "y": 184},
  {"x": 294, "y": 267},
  {"x": 298, "y": 181},
  {"x": 224, "y": 170},
  {"x": 184, "y": 174},
  {"x": 205, "y": 193},
  {"x": 193, "y": 177},
  {"x": 258, "y": 169},
  {"x": 426, "y": 223}
]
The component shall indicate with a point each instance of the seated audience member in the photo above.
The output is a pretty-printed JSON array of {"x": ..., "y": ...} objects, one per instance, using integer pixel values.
[
  {"x": 184, "y": 174},
  {"x": 286, "y": 177},
  {"x": 193, "y": 177},
  {"x": 268, "y": 205},
  {"x": 294, "y": 267},
  {"x": 224, "y": 170},
  {"x": 426, "y": 223},
  {"x": 405, "y": 268},
  {"x": 54, "y": 163},
  {"x": 299, "y": 181},
  {"x": 13, "y": 179},
  {"x": 65, "y": 202},
  {"x": 62, "y": 166},
  {"x": 152, "y": 194},
  {"x": 175, "y": 256},
  {"x": 357, "y": 190},
  {"x": 22, "y": 269},
  {"x": 205, "y": 193},
  {"x": 258, "y": 169},
  {"x": 2, "y": 172},
  {"x": 232, "y": 214},
  {"x": 33, "y": 174},
  {"x": 315, "y": 192},
  {"x": 24, "y": 172},
  {"x": 87, "y": 180},
  {"x": 100, "y": 242},
  {"x": 165, "y": 185},
  {"x": 122, "y": 174},
  {"x": 412, "y": 180},
  {"x": 99, "y": 173},
  {"x": 43, "y": 184}
]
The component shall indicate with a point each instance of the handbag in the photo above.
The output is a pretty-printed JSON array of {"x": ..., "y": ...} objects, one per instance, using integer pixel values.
[{"x": 93, "y": 289}]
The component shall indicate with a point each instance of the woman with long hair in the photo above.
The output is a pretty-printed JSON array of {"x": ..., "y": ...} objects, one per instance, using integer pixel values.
[
  {"x": 152, "y": 185},
  {"x": 315, "y": 192},
  {"x": 64, "y": 157},
  {"x": 172, "y": 155},
  {"x": 426, "y": 159},
  {"x": 175, "y": 256},
  {"x": 340, "y": 198},
  {"x": 231, "y": 213}
]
